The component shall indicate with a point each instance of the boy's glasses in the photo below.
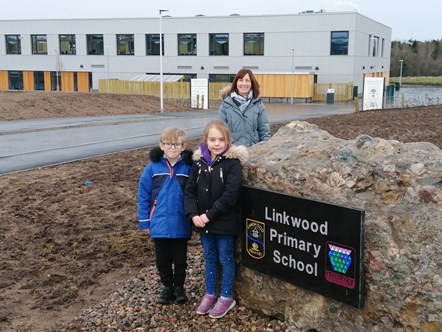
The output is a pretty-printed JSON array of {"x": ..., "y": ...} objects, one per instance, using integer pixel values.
[{"x": 174, "y": 145}]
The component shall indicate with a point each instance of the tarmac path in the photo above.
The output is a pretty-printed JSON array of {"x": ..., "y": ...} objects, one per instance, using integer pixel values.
[{"x": 28, "y": 144}]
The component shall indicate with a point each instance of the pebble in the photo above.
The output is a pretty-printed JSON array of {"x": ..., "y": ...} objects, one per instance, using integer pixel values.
[{"x": 133, "y": 308}]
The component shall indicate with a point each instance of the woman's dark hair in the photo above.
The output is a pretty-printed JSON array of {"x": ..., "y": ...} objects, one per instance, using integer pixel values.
[{"x": 255, "y": 85}]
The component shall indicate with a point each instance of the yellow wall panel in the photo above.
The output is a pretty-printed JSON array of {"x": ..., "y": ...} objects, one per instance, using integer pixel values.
[
  {"x": 83, "y": 81},
  {"x": 286, "y": 85},
  {"x": 4, "y": 82},
  {"x": 48, "y": 81},
  {"x": 67, "y": 81},
  {"x": 28, "y": 81}
]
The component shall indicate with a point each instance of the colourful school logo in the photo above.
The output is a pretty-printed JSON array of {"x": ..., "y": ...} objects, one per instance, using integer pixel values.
[
  {"x": 340, "y": 263},
  {"x": 255, "y": 238}
]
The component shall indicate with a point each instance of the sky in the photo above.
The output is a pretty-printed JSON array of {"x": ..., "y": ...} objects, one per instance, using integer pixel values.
[{"x": 417, "y": 20}]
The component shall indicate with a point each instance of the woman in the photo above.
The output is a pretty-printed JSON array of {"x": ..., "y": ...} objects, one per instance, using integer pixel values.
[{"x": 244, "y": 111}]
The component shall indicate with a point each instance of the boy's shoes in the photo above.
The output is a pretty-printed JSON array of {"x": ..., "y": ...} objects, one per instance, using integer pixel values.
[
  {"x": 180, "y": 295},
  {"x": 221, "y": 308},
  {"x": 166, "y": 296},
  {"x": 206, "y": 304}
]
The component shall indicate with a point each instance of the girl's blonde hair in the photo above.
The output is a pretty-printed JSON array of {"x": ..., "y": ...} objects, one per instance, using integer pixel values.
[{"x": 222, "y": 127}]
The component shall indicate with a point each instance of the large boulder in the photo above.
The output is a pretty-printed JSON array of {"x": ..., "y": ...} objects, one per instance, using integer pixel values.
[{"x": 399, "y": 185}]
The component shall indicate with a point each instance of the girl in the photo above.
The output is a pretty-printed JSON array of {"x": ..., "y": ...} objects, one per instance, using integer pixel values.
[{"x": 210, "y": 201}]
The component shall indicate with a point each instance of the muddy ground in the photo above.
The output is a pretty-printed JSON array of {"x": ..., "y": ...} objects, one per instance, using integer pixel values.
[{"x": 66, "y": 245}]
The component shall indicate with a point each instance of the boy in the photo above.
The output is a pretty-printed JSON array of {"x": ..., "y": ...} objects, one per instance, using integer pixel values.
[{"x": 161, "y": 211}]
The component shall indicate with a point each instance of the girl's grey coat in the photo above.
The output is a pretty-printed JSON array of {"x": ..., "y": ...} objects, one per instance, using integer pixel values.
[
  {"x": 247, "y": 128},
  {"x": 214, "y": 190}
]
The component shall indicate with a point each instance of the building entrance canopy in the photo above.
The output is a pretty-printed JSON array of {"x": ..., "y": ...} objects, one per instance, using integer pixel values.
[{"x": 157, "y": 78}]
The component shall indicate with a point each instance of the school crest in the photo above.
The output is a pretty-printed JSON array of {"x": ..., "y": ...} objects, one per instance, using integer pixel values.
[{"x": 255, "y": 238}]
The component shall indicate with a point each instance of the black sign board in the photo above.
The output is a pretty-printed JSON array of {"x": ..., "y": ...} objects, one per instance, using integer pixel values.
[{"x": 314, "y": 245}]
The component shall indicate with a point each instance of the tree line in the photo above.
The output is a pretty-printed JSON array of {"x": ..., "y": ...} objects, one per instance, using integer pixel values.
[{"x": 419, "y": 58}]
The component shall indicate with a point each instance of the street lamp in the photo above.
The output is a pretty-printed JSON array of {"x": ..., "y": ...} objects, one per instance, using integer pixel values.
[
  {"x": 161, "y": 64},
  {"x": 57, "y": 68},
  {"x": 107, "y": 67},
  {"x": 400, "y": 73},
  {"x": 293, "y": 73}
]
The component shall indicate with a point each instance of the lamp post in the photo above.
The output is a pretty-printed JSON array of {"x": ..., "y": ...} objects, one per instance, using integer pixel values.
[
  {"x": 107, "y": 68},
  {"x": 161, "y": 64},
  {"x": 293, "y": 73},
  {"x": 57, "y": 68},
  {"x": 400, "y": 73}
]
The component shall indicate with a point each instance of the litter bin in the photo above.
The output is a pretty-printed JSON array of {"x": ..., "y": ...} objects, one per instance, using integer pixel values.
[
  {"x": 355, "y": 92},
  {"x": 330, "y": 96},
  {"x": 398, "y": 86},
  {"x": 390, "y": 91}
]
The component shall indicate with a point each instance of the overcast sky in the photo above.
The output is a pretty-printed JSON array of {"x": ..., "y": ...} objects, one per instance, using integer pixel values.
[{"x": 420, "y": 20}]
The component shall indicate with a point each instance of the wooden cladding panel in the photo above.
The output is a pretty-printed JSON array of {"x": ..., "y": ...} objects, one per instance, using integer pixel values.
[
  {"x": 286, "y": 85},
  {"x": 67, "y": 81},
  {"x": 48, "y": 85},
  {"x": 4, "y": 82},
  {"x": 83, "y": 81},
  {"x": 28, "y": 81}
]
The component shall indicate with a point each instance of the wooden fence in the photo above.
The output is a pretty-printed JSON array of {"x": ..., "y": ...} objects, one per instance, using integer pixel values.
[
  {"x": 179, "y": 92},
  {"x": 343, "y": 92}
]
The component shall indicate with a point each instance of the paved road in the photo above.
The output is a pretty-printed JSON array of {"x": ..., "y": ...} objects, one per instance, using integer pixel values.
[{"x": 30, "y": 144}]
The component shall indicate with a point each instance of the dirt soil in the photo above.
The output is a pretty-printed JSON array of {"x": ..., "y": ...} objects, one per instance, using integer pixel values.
[{"x": 65, "y": 245}]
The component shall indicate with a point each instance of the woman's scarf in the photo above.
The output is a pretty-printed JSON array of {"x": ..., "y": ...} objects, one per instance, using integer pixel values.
[{"x": 241, "y": 100}]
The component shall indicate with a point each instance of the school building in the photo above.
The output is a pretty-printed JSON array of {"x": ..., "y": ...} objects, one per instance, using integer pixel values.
[{"x": 285, "y": 51}]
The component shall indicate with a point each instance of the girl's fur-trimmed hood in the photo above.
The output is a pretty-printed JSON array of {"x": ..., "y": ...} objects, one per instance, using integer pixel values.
[
  {"x": 156, "y": 154},
  {"x": 224, "y": 92},
  {"x": 235, "y": 152}
]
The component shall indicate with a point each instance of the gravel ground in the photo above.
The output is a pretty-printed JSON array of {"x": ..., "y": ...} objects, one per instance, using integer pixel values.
[{"x": 132, "y": 307}]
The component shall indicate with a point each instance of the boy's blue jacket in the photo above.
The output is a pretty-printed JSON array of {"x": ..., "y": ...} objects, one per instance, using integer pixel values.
[{"x": 161, "y": 196}]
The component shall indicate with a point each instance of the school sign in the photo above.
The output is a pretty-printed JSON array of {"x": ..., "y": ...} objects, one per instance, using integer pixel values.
[{"x": 314, "y": 245}]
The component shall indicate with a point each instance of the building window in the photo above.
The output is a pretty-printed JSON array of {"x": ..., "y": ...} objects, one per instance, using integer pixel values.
[
  {"x": 254, "y": 43},
  {"x": 15, "y": 79},
  {"x": 339, "y": 43},
  {"x": 39, "y": 44},
  {"x": 67, "y": 44},
  {"x": 374, "y": 46},
  {"x": 187, "y": 44},
  {"x": 39, "y": 80},
  {"x": 221, "y": 78},
  {"x": 95, "y": 45},
  {"x": 125, "y": 44},
  {"x": 13, "y": 44},
  {"x": 219, "y": 44},
  {"x": 55, "y": 80},
  {"x": 382, "y": 47},
  {"x": 153, "y": 44}
]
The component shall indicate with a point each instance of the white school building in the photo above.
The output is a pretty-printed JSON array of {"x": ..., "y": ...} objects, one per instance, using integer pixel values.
[{"x": 75, "y": 54}]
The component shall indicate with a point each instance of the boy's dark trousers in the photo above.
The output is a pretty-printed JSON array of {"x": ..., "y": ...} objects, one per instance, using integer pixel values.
[{"x": 171, "y": 261}]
